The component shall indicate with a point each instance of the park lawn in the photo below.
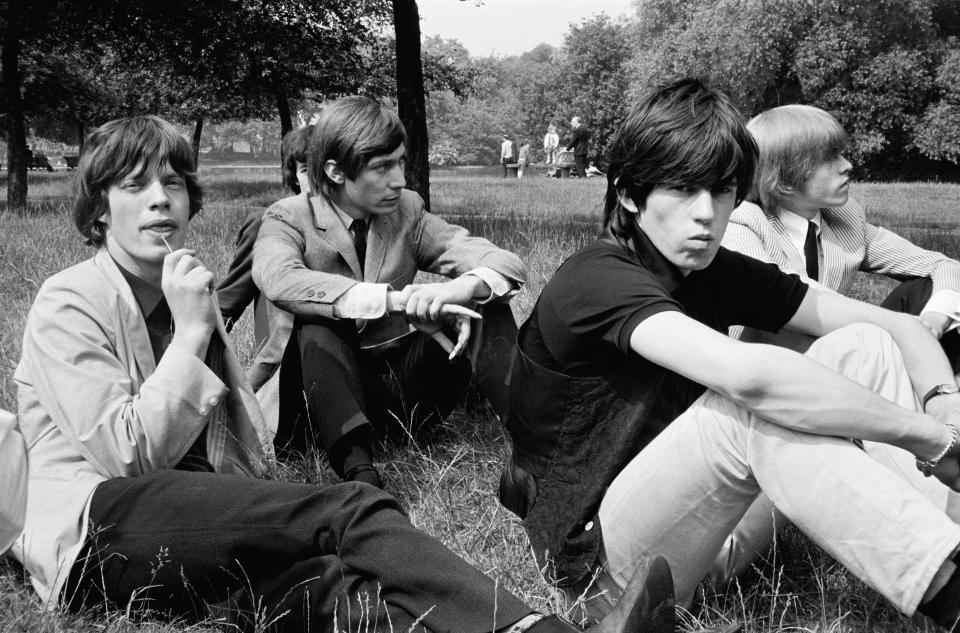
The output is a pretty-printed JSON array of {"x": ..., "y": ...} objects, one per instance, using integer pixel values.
[{"x": 448, "y": 482}]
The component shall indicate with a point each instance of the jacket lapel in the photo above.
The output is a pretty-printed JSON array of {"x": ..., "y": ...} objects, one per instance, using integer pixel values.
[
  {"x": 327, "y": 221},
  {"x": 789, "y": 254},
  {"x": 135, "y": 328},
  {"x": 380, "y": 227}
]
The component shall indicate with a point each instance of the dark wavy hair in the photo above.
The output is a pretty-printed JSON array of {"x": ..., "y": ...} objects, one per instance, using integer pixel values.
[
  {"x": 293, "y": 150},
  {"x": 351, "y": 131},
  {"x": 114, "y": 150},
  {"x": 685, "y": 133}
]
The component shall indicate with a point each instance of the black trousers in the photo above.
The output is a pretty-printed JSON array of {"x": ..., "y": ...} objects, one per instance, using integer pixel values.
[
  {"x": 175, "y": 542},
  {"x": 910, "y": 297},
  {"x": 330, "y": 387},
  {"x": 580, "y": 161}
]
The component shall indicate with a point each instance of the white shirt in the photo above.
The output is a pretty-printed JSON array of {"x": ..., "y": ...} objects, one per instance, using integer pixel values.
[{"x": 368, "y": 300}]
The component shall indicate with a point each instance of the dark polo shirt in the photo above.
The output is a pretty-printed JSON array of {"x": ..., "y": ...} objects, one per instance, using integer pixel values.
[
  {"x": 583, "y": 404},
  {"x": 156, "y": 315}
]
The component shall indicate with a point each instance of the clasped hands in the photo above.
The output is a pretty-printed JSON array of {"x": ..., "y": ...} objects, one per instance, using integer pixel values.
[{"x": 429, "y": 306}]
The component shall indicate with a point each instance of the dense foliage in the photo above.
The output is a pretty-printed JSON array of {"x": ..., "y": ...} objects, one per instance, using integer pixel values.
[{"x": 886, "y": 69}]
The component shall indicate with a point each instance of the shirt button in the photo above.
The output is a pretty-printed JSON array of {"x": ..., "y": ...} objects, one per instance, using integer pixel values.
[
  {"x": 320, "y": 294},
  {"x": 588, "y": 526},
  {"x": 310, "y": 293},
  {"x": 204, "y": 410}
]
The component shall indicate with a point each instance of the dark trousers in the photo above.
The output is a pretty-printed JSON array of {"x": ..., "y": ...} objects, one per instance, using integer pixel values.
[
  {"x": 580, "y": 161},
  {"x": 400, "y": 389},
  {"x": 175, "y": 542},
  {"x": 910, "y": 297}
]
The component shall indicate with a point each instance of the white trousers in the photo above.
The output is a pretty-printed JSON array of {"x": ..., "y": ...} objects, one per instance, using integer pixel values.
[{"x": 684, "y": 494}]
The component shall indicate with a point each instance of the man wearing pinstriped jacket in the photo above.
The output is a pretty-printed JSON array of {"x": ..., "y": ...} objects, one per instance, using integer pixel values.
[
  {"x": 803, "y": 220},
  {"x": 802, "y": 189}
]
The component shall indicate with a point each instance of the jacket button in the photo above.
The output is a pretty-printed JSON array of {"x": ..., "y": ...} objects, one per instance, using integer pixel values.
[
  {"x": 309, "y": 293},
  {"x": 213, "y": 402},
  {"x": 204, "y": 410},
  {"x": 588, "y": 526},
  {"x": 320, "y": 294}
]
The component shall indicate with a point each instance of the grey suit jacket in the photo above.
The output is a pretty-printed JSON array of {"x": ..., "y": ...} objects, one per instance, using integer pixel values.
[{"x": 304, "y": 260}]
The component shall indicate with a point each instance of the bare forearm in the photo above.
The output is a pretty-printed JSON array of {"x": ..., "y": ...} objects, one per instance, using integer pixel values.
[{"x": 802, "y": 394}]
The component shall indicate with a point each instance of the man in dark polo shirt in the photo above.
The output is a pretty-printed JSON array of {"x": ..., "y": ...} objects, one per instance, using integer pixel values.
[{"x": 639, "y": 427}]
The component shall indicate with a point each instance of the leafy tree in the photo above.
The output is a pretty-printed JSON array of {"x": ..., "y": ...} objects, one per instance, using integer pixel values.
[{"x": 594, "y": 79}]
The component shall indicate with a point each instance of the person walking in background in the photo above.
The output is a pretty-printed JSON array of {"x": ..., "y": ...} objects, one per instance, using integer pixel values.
[
  {"x": 506, "y": 153},
  {"x": 523, "y": 159},
  {"x": 551, "y": 141},
  {"x": 579, "y": 144}
]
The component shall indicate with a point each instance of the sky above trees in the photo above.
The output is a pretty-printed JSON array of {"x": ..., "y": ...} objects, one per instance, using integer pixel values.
[{"x": 510, "y": 27}]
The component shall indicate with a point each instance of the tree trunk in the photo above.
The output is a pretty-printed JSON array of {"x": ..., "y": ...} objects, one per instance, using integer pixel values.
[
  {"x": 81, "y": 135},
  {"x": 283, "y": 107},
  {"x": 286, "y": 122},
  {"x": 197, "y": 132},
  {"x": 410, "y": 95},
  {"x": 16, "y": 133}
]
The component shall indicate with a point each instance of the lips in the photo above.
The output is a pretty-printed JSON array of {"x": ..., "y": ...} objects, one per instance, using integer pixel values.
[{"x": 160, "y": 226}]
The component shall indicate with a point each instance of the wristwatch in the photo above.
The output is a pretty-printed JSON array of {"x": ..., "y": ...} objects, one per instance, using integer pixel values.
[{"x": 939, "y": 390}]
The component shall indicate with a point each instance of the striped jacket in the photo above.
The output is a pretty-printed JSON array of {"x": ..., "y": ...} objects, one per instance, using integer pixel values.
[{"x": 849, "y": 244}]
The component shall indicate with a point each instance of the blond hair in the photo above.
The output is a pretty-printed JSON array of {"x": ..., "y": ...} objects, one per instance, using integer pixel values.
[{"x": 793, "y": 140}]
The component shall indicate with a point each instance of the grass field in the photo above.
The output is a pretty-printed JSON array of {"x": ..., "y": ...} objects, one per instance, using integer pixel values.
[{"x": 448, "y": 485}]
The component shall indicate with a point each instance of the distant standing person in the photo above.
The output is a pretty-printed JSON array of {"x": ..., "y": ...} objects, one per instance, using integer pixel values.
[
  {"x": 523, "y": 159},
  {"x": 578, "y": 144},
  {"x": 506, "y": 153},
  {"x": 551, "y": 141}
]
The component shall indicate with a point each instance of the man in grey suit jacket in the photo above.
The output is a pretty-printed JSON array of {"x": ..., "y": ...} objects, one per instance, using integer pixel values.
[{"x": 369, "y": 346}]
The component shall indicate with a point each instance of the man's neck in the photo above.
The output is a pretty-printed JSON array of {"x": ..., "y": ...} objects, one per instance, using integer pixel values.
[
  {"x": 337, "y": 199},
  {"x": 804, "y": 211}
]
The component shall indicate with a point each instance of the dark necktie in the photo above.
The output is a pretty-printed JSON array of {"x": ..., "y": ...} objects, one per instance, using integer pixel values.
[
  {"x": 360, "y": 241},
  {"x": 811, "y": 253}
]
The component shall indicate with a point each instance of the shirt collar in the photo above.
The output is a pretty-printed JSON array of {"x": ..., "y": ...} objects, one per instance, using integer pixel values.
[
  {"x": 796, "y": 226},
  {"x": 346, "y": 219},
  {"x": 147, "y": 295},
  {"x": 654, "y": 261}
]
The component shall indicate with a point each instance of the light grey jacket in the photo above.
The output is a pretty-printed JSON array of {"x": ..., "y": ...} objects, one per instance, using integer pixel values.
[
  {"x": 94, "y": 405},
  {"x": 13, "y": 480}
]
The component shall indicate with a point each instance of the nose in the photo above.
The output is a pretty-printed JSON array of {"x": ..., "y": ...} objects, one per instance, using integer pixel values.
[
  {"x": 702, "y": 207},
  {"x": 845, "y": 165},
  {"x": 157, "y": 196},
  {"x": 397, "y": 179}
]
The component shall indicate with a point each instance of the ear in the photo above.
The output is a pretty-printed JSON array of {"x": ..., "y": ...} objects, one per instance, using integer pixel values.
[
  {"x": 334, "y": 173},
  {"x": 627, "y": 202}
]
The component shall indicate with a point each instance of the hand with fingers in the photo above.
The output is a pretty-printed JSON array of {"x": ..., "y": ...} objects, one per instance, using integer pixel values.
[
  {"x": 186, "y": 285},
  {"x": 429, "y": 306},
  {"x": 936, "y": 322}
]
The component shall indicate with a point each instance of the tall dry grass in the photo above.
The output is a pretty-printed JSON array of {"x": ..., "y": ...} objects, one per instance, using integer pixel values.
[{"x": 448, "y": 484}]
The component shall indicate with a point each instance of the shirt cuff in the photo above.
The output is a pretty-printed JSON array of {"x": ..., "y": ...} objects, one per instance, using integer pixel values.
[
  {"x": 945, "y": 302},
  {"x": 500, "y": 286},
  {"x": 362, "y": 301}
]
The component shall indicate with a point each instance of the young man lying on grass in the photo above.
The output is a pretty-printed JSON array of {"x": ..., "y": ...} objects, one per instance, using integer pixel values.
[
  {"x": 146, "y": 448},
  {"x": 640, "y": 427}
]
